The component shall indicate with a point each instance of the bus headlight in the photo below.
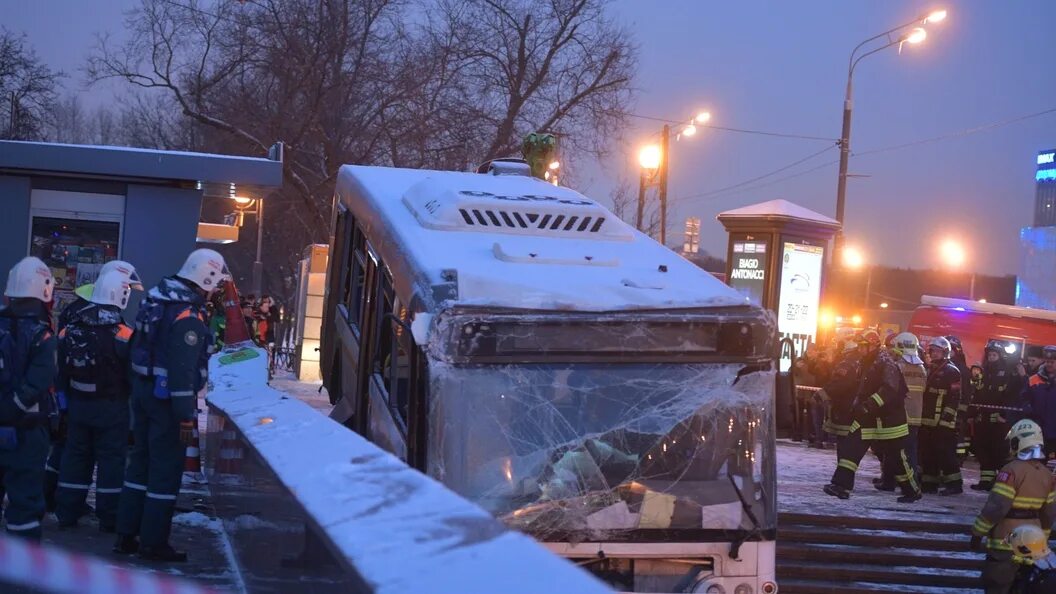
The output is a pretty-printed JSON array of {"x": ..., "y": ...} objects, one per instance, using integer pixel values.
[{"x": 743, "y": 589}]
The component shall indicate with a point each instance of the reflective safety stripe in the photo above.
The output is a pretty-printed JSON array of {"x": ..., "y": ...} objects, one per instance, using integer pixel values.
[
  {"x": 885, "y": 433},
  {"x": 74, "y": 486},
  {"x": 952, "y": 478},
  {"x": 123, "y": 333},
  {"x": 143, "y": 370},
  {"x": 1004, "y": 490},
  {"x": 987, "y": 474},
  {"x": 161, "y": 496},
  {"x": 18, "y": 402},
  {"x": 108, "y": 491},
  {"x": 182, "y": 393},
  {"x": 135, "y": 486},
  {"x": 48, "y": 468},
  {"x": 982, "y": 525},
  {"x": 23, "y": 527},
  {"x": 83, "y": 387},
  {"x": 849, "y": 465},
  {"x": 876, "y": 398}
]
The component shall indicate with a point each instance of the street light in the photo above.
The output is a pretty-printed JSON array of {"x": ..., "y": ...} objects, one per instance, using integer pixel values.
[
  {"x": 954, "y": 257},
  {"x": 914, "y": 36},
  {"x": 854, "y": 259},
  {"x": 242, "y": 205},
  {"x": 654, "y": 161}
]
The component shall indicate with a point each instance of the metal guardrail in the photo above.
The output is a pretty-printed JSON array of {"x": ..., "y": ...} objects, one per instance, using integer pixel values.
[{"x": 368, "y": 520}]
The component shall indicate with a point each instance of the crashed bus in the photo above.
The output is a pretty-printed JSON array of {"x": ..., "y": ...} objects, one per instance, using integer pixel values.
[{"x": 522, "y": 345}]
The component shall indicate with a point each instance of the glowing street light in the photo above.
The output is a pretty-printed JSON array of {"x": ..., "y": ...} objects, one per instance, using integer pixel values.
[
  {"x": 916, "y": 35},
  {"x": 650, "y": 157},
  {"x": 703, "y": 117},
  {"x": 554, "y": 164},
  {"x": 935, "y": 16},
  {"x": 953, "y": 254},
  {"x": 883, "y": 305},
  {"x": 853, "y": 258},
  {"x": 689, "y": 130}
]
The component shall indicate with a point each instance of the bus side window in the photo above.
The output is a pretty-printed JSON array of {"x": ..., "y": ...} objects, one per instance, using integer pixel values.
[
  {"x": 345, "y": 224},
  {"x": 357, "y": 276},
  {"x": 391, "y": 360}
]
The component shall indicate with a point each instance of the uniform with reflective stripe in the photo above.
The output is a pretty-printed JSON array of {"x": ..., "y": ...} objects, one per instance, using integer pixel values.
[{"x": 1022, "y": 486}]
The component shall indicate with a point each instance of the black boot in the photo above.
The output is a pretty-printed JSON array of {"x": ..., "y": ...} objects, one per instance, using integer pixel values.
[
  {"x": 126, "y": 545},
  {"x": 911, "y": 497},
  {"x": 929, "y": 488},
  {"x": 837, "y": 491},
  {"x": 163, "y": 554},
  {"x": 982, "y": 486},
  {"x": 954, "y": 489}
]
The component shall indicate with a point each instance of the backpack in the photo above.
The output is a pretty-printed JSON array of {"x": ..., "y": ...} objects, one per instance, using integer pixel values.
[
  {"x": 12, "y": 358},
  {"x": 90, "y": 360}
]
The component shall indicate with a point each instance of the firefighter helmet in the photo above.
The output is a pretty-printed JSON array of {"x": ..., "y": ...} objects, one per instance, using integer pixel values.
[
  {"x": 205, "y": 268},
  {"x": 1028, "y": 541},
  {"x": 942, "y": 344},
  {"x": 1003, "y": 348},
  {"x": 112, "y": 288},
  {"x": 907, "y": 344},
  {"x": 955, "y": 343},
  {"x": 128, "y": 270},
  {"x": 1049, "y": 352},
  {"x": 30, "y": 278},
  {"x": 849, "y": 346},
  {"x": 1024, "y": 435}
]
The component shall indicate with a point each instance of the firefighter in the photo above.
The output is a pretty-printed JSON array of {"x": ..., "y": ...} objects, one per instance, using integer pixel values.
[
  {"x": 958, "y": 358},
  {"x": 83, "y": 294},
  {"x": 838, "y": 393},
  {"x": 992, "y": 405},
  {"x": 1023, "y": 493},
  {"x": 1037, "y": 562},
  {"x": 938, "y": 431},
  {"x": 879, "y": 421},
  {"x": 1040, "y": 397},
  {"x": 169, "y": 359},
  {"x": 27, "y": 346},
  {"x": 904, "y": 348},
  {"x": 93, "y": 359}
]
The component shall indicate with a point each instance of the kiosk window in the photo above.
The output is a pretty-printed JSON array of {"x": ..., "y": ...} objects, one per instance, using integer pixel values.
[{"x": 75, "y": 250}]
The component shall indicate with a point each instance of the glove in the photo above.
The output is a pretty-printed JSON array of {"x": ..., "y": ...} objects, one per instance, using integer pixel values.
[
  {"x": 187, "y": 433},
  {"x": 976, "y": 544}
]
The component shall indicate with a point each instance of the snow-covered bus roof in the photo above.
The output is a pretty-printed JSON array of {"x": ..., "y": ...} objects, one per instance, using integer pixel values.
[
  {"x": 990, "y": 308},
  {"x": 514, "y": 241}
]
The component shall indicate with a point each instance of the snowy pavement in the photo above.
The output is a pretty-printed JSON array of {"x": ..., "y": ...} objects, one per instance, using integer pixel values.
[{"x": 803, "y": 471}]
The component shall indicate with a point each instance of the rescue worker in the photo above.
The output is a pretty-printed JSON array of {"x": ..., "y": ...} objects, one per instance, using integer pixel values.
[
  {"x": 1040, "y": 399},
  {"x": 93, "y": 360},
  {"x": 1024, "y": 492},
  {"x": 169, "y": 359},
  {"x": 1035, "y": 358},
  {"x": 993, "y": 404},
  {"x": 27, "y": 349},
  {"x": 938, "y": 431},
  {"x": 879, "y": 421},
  {"x": 967, "y": 390},
  {"x": 58, "y": 441},
  {"x": 1037, "y": 562},
  {"x": 904, "y": 348},
  {"x": 838, "y": 394}
]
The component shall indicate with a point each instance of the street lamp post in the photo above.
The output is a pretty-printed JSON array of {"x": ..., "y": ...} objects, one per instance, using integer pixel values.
[
  {"x": 914, "y": 36},
  {"x": 954, "y": 257},
  {"x": 655, "y": 163}
]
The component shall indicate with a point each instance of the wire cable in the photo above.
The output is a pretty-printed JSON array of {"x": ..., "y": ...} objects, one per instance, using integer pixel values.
[
  {"x": 723, "y": 128},
  {"x": 746, "y": 182}
]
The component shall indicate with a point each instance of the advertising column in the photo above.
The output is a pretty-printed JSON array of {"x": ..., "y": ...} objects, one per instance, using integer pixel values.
[
  {"x": 748, "y": 269},
  {"x": 799, "y": 295}
]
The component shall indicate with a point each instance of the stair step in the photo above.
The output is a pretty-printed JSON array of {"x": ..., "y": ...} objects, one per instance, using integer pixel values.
[
  {"x": 908, "y": 575},
  {"x": 791, "y": 553},
  {"x": 874, "y": 538},
  {"x": 804, "y": 586},
  {"x": 939, "y": 524}
]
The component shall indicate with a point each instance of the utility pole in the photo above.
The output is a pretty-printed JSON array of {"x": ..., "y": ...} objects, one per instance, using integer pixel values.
[
  {"x": 641, "y": 200},
  {"x": 665, "y": 141},
  {"x": 845, "y": 153}
]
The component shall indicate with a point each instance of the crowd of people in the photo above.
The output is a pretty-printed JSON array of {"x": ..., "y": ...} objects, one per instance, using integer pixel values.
[
  {"x": 922, "y": 410},
  {"x": 104, "y": 398}
]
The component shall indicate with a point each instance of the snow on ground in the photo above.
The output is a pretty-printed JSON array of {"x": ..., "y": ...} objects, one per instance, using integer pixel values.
[
  {"x": 803, "y": 471},
  {"x": 311, "y": 393}
]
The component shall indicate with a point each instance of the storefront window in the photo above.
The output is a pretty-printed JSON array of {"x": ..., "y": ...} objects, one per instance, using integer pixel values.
[{"x": 75, "y": 250}]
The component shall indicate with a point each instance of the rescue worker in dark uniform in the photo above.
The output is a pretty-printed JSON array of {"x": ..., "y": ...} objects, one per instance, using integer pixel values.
[
  {"x": 839, "y": 392},
  {"x": 1040, "y": 398},
  {"x": 967, "y": 390},
  {"x": 170, "y": 355},
  {"x": 93, "y": 359},
  {"x": 1037, "y": 562},
  {"x": 27, "y": 347},
  {"x": 904, "y": 349},
  {"x": 938, "y": 430},
  {"x": 992, "y": 407},
  {"x": 879, "y": 421},
  {"x": 83, "y": 299},
  {"x": 1024, "y": 492}
]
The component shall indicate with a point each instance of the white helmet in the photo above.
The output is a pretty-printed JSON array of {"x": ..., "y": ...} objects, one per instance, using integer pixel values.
[
  {"x": 32, "y": 278},
  {"x": 128, "y": 270},
  {"x": 112, "y": 288},
  {"x": 907, "y": 344},
  {"x": 205, "y": 268},
  {"x": 942, "y": 344}
]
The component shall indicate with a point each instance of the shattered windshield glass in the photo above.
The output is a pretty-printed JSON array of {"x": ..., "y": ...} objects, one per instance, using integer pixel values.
[{"x": 588, "y": 451}]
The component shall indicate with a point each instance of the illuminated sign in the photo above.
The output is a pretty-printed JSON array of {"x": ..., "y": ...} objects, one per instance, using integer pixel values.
[
  {"x": 1046, "y": 175},
  {"x": 748, "y": 269},
  {"x": 1046, "y": 158},
  {"x": 800, "y": 294}
]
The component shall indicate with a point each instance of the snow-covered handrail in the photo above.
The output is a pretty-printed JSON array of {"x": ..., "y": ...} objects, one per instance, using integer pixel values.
[{"x": 398, "y": 530}]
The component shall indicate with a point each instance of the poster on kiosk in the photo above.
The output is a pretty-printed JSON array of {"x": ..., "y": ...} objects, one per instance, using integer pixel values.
[{"x": 799, "y": 294}]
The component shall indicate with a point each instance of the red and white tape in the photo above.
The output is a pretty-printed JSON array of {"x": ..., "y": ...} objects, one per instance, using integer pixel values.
[{"x": 48, "y": 569}]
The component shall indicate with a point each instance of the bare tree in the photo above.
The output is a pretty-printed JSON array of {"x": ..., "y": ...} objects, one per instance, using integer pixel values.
[{"x": 28, "y": 89}]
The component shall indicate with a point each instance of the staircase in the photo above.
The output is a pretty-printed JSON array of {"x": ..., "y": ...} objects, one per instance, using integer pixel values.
[{"x": 819, "y": 554}]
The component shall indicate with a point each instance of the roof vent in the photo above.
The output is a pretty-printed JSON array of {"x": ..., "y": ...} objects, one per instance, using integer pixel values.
[{"x": 510, "y": 204}]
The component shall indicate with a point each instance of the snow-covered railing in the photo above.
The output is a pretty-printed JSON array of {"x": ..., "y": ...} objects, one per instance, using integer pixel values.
[{"x": 391, "y": 527}]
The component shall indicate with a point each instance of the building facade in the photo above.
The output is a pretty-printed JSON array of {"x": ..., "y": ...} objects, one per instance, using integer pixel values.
[{"x": 1036, "y": 286}]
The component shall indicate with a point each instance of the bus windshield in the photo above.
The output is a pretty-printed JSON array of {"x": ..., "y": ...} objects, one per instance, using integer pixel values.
[{"x": 608, "y": 451}]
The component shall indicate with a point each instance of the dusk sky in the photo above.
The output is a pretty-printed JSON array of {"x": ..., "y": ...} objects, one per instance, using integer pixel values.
[{"x": 781, "y": 67}]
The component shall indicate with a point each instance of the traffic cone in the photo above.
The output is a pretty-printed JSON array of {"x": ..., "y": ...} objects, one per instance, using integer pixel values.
[
  {"x": 192, "y": 460},
  {"x": 235, "y": 330},
  {"x": 230, "y": 459}
]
